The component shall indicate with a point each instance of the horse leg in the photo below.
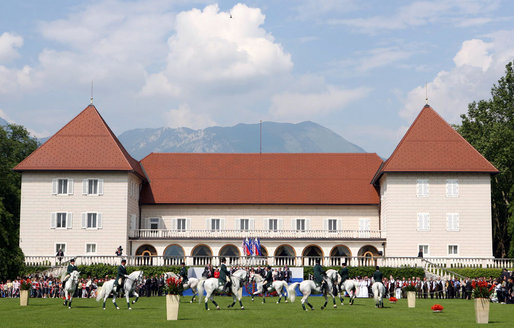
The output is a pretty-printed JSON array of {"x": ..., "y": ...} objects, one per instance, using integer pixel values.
[
  {"x": 326, "y": 301},
  {"x": 137, "y": 297},
  {"x": 114, "y": 301},
  {"x": 216, "y": 304},
  {"x": 71, "y": 299},
  {"x": 334, "y": 299},
  {"x": 127, "y": 297},
  {"x": 207, "y": 301},
  {"x": 65, "y": 298}
]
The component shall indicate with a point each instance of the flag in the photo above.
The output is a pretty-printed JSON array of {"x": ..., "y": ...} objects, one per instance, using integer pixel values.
[
  {"x": 250, "y": 246},
  {"x": 258, "y": 247},
  {"x": 245, "y": 247}
]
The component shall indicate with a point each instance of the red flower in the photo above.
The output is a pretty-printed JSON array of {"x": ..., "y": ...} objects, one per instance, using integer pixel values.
[
  {"x": 437, "y": 307},
  {"x": 393, "y": 299}
]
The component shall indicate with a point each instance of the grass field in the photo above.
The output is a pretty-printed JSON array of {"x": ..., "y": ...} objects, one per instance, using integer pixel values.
[{"x": 150, "y": 312}]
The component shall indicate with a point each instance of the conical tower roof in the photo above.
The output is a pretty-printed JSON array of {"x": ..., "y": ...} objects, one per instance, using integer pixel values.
[
  {"x": 432, "y": 145},
  {"x": 86, "y": 143}
]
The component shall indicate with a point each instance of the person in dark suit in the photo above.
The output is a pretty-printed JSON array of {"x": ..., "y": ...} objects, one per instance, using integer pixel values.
[
  {"x": 378, "y": 276},
  {"x": 268, "y": 279},
  {"x": 287, "y": 274},
  {"x": 469, "y": 289},
  {"x": 121, "y": 275},
  {"x": 71, "y": 267},
  {"x": 344, "y": 273},
  {"x": 319, "y": 274},
  {"x": 183, "y": 273},
  {"x": 225, "y": 276}
]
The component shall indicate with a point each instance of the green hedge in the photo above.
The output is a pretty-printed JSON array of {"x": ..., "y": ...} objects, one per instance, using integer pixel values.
[
  {"x": 368, "y": 271},
  {"x": 478, "y": 272},
  {"x": 102, "y": 270},
  {"x": 28, "y": 270}
]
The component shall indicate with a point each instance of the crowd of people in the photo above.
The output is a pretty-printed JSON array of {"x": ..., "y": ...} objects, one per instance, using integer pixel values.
[{"x": 502, "y": 288}]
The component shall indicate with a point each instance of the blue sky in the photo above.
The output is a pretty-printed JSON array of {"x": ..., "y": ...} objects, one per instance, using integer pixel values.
[{"x": 356, "y": 67}]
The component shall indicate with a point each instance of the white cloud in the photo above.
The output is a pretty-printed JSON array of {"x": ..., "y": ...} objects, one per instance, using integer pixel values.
[
  {"x": 382, "y": 57},
  {"x": 421, "y": 13},
  {"x": 478, "y": 65},
  {"x": 8, "y": 46},
  {"x": 184, "y": 117},
  {"x": 294, "y": 106},
  {"x": 210, "y": 48}
]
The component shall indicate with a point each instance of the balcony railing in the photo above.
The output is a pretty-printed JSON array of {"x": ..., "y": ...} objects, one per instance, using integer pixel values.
[
  {"x": 262, "y": 234},
  {"x": 276, "y": 261}
]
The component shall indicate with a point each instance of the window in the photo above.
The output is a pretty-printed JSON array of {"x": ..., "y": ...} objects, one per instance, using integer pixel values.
[
  {"x": 332, "y": 225},
  {"x": 215, "y": 225},
  {"x": 423, "y": 222},
  {"x": 273, "y": 224},
  {"x": 181, "y": 224},
  {"x": 423, "y": 249},
  {"x": 452, "y": 221},
  {"x": 364, "y": 228},
  {"x": 154, "y": 223},
  {"x": 91, "y": 220},
  {"x": 244, "y": 224},
  {"x": 422, "y": 188},
  {"x": 60, "y": 246},
  {"x": 62, "y": 186},
  {"x": 300, "y": 224},
  {"x": 92, "y": 187},
  {"x": 90, "y": 248},
  {"x": 452, "y": 188},
  {"x": 453, "y": 250},
  {"x": 61, "y": 220}
]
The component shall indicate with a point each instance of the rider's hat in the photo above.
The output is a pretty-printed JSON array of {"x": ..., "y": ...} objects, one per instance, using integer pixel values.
[
  {"x": 72, "y": 260},
  {"x": 223, "y": 260},
  {"x": 123, "y": 261}
]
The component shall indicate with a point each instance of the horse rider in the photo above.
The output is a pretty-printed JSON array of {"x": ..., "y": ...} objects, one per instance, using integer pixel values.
[
  {"x": 268, "y": 279},
  {"x": 343, "y": 272},
  {"x": 377, "y": 276},
  {"x": 71, "y": 267},
  {"x": 183, "y": 273},
  {"x": 319, "y": 274},
  {"x": 225, "y": 275},
  {"x": 120, "y": 277}
]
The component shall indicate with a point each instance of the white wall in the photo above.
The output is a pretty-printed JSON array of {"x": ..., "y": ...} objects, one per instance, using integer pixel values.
[
  {"x": 38, "y": 202},
  {"x": 400, "y": 205}
]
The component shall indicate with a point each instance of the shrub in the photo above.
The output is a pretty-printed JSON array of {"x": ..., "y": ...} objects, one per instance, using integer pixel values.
[{"x": 368, "y": 271}]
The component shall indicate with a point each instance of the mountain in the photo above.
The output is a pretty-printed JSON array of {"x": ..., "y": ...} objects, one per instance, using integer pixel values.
[
  {"x": 3, "y": 122},
  {"x": 304, "y": 137}
]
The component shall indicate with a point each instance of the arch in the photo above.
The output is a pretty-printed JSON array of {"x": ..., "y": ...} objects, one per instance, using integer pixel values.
[
  {"x": 341, "y": 250},
  {"x": 285, "y": 250},
  {"x": 285, "y": 255},
  {"x": 230, "y": 252},
  {"x": 339, "y": 254},
  {"x": 311, "y": 254},
  {"x": 144, "y": 254},
  {"x": 202, "y": 254},
  {"x": 173, "y": 255},
  {"x": 368, "y": 255},
  {"x": 147, "y": 250},
  {"x": 264, "y": 251}
]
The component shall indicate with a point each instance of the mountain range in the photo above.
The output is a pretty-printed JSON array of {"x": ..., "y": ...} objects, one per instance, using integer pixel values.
[{"x": 304, "y": 137}]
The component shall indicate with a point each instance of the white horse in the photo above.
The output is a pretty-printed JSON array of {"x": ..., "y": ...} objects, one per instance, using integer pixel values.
[
  {"x": 378, "y": 290},
  {"x": 351, "y": 287},
  {"x": 279, "y": 286},
  {"x": 69, "y": 288},
  {"x": 308, "y": 287},
  {"x": 211, "y": 285},
  {"x": 191, "y": 283},
  {"x": 129, "y": 287}
]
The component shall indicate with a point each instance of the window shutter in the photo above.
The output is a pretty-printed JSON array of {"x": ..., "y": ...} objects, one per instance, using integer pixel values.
[
  {"x": 280, "y": 224},
  {"x": 100, "y": 186},
  {"x": 448, "y": 187},
  {"x": 418, "y": 188},
  {"x": 457, "y": 227},
  {"x": 325, "y": 224},
  {"x": 222, "y": 224},
  {"x": 84, "y": 220},
  {"x": 307, "y": 224},
  {"x": 251, "y": 224},
  {"x": 70, "y": 186},
  {"x": 339, "y": 224},
  {"x": 238, "y": 223},
  {"x": 132, "y": 222},
  {"x": 427, "y": 221},
  {"x": 69, "y": 220},
  {"x": 85, "y": 186},
  {"x": 54, "y": 186},
  {"x": 208, "y": 224},
  {"x": 53, "y": 221},
  {"x": 293, "y": 224},
  {"x": 99, "y": 220},
  {"x": 173, "y": 224},
  {"x": 266, "y": 224}
]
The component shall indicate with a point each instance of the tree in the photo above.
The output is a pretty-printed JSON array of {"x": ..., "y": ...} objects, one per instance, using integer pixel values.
[
  {"x": 15, "y": 144},
  {"x": 489, "y": 127}
]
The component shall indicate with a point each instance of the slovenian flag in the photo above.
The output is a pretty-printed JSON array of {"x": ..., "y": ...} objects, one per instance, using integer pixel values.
[
  {"x": 246, "y": 249},
  {"x": 258, "y": 247},
  {"x": 250, "y": 246}
]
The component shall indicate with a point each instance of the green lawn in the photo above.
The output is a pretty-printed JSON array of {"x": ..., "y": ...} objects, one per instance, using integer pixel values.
[{"x": 150, "y": 312}]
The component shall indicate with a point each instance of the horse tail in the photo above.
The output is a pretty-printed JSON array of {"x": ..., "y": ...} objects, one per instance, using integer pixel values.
[
  {"x": 291, "y": 291},
  {"x": 101, "y": 293},
  {"x": 200, "y": 290}
]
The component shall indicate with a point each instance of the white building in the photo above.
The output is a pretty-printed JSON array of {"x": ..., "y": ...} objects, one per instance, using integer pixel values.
[{"x": 81, "y": 191}]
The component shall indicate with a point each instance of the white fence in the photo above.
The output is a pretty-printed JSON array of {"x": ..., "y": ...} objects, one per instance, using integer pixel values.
[
  {"x": 262, "y": 234},
  {"x": 291, "y": 261}
]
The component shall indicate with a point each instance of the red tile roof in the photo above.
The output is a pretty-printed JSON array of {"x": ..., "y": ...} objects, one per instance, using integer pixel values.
[
  {"x": 176, "y": 178},
  {"x": 85, "y": 143},
  {"x": 432, "y": 145}
]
